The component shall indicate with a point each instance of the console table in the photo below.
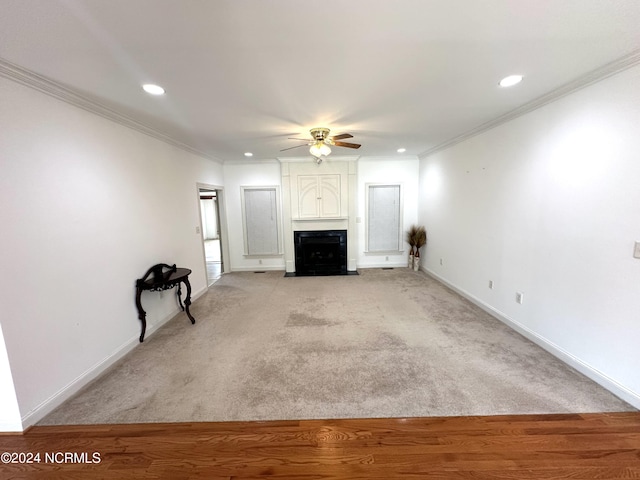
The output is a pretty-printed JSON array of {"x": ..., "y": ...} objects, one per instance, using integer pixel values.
[{"x": 163, "y": 277}]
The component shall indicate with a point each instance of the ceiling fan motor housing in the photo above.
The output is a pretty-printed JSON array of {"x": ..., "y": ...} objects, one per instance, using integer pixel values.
[{"x": 319, "y": 134}]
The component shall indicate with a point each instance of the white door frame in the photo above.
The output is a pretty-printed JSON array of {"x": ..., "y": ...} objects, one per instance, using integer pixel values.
[{"x": 222, "y": 224}]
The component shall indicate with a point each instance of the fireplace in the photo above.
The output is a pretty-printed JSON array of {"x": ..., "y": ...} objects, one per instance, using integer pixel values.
[{"x": 321, "y": 252}]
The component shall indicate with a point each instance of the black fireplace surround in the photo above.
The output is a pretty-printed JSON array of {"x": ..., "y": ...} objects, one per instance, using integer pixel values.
[{"x": 321, "y": 252}]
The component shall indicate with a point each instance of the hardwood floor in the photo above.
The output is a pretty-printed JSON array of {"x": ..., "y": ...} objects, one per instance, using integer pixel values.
[{"x": 572, "y": 446}]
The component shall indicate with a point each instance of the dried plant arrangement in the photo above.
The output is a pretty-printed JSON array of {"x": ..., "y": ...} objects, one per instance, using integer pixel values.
[
  {"x": 420, "y": 237},
  {"x": 419, "y": 240},
  {"x": 410, "y": 237}
]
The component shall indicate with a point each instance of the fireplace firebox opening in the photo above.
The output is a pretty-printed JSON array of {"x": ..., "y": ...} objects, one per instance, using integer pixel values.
[{"x": 321, "y": 252}]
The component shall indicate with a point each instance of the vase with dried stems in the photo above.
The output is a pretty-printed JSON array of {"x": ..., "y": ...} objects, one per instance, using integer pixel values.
[
  {"x": 411, "y": 240},
  {"x": 421, "y": 240}
]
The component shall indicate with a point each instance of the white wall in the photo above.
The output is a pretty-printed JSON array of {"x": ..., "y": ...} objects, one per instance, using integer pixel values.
[
  {"x": 86, "y": 206},
  {"x": 549, "y": 205},
  {"x": 9, "y": 412},
  {"x": 236, "y": 175},
  {"x": 404, "y": 171}
]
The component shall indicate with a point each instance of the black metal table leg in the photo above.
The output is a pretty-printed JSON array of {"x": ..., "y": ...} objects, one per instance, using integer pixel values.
[
  {"x": 187, "y": 300},
  {"x": 179, "y": 293},
  {"x": 142, "y": 315}
]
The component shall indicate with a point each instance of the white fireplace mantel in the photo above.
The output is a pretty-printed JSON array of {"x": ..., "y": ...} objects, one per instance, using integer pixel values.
[{"x": 328, "y": 204}]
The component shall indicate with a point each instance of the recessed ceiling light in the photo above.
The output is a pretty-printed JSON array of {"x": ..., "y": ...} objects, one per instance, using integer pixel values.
[
  {"x": 153, "y": 89},
  {"x": 248, "y": 154},
  {"x": 510, "y": 81},
  {"x": 401, "y": 150}
]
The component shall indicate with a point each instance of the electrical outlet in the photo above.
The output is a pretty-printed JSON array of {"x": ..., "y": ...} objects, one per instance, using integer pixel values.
[
  {"x": 519, "y": 297},
  {"x": 386, "y": 258},
  {"x": 636, "y": 250},
  {"x": 260, "y": 261},
  {"x": 491, "y": 284},
  {"x": 197, "y": 230},
  {"x": 441, "y": 263}
]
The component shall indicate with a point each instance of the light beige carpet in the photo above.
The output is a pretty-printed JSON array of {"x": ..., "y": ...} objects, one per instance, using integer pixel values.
[{"x": 386, "y": 343}]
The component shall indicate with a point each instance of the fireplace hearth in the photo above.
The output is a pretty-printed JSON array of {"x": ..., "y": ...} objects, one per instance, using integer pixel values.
[{"x": 322, "y": 252}]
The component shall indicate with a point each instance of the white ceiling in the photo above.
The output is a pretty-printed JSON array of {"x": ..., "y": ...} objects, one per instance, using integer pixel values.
[{"x": 243, "y": 75}]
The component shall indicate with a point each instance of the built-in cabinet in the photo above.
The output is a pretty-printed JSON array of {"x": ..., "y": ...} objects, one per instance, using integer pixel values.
[{"x": 319, "y": 196}]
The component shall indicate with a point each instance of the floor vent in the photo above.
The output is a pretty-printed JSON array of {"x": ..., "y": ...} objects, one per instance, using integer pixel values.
[{"x": 387, "y": 268}]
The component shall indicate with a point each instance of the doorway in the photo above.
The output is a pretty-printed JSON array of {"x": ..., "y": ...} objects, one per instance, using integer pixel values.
[{"x": 212, "y": 237}]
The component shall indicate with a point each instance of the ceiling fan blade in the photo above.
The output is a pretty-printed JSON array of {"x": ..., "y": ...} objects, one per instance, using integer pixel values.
[
  {"x": 342, "y": 136},
  {"x": 304, "y": 145},
  {"x": 347, "y": 144}
]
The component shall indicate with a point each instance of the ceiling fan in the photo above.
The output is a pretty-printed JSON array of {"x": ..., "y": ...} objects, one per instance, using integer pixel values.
[{"x": 320, "y": 142}]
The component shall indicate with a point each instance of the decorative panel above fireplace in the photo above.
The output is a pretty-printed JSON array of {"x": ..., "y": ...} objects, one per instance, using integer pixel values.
[
  {"x": 319, "y": 196},
  {"x": 322, "y": 252}
]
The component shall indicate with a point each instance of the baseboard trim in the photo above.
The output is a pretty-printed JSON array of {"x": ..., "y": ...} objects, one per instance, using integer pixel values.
[
  {"x": 383, "y": 265},
  {"x": 73, "y": 387},
  {"x": 259, "y": 268},
  {"x": 629, "y": 396}
]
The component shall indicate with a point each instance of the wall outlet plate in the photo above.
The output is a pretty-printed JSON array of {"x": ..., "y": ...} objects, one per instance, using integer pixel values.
[
  {"x": 491, "y": 284},
  {"x": 636, "y": 250},
  {"x": 519, "y": 297}
]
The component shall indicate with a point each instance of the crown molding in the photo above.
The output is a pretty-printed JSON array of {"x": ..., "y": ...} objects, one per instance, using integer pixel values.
[
  {"x": 594, "y": 76},
  {"x": 388, "y": 158},
  {"x": 251, "y": 161},
  {"x": 329, "y": 159},
  {"x": 49, "y": 87}
]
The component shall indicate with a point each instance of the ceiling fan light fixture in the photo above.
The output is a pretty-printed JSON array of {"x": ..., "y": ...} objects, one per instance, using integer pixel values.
[
  {"x": 320, "y": 143},
  {"x": 319, "y": 149}
]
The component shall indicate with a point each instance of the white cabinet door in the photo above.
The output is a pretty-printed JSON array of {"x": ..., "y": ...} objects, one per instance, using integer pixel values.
[
  {"x": 329, "y": 186},
  {"x": 308, "y": 196}
]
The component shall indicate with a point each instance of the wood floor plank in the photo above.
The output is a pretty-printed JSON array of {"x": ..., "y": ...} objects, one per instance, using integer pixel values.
[{"x": 577, "y": 447}]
